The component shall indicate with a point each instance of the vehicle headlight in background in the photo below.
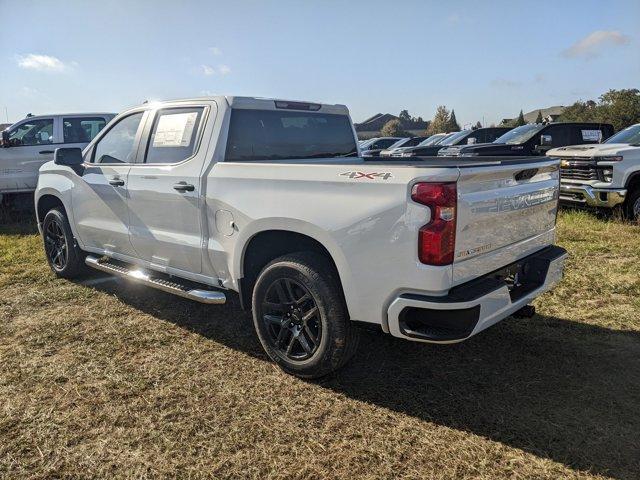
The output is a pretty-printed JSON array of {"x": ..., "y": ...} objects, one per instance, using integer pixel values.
[{"x": 613, "y": 158}]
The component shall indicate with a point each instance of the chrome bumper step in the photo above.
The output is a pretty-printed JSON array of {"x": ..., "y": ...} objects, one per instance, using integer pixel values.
[{"x": 143, "y": 277}]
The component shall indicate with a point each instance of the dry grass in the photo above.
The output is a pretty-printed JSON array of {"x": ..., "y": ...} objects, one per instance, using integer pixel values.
[{"x": 104, "y": 380}]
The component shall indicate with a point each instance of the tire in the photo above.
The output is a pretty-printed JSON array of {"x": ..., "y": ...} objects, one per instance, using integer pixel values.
[
  {"x": 300, "y": 316},
  {"x": 632, "y": 205},
  {"x": 63, "y": 254}
]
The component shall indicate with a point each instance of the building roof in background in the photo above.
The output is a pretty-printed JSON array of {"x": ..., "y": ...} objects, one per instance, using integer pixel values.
[{"x": 553, "y": 112}]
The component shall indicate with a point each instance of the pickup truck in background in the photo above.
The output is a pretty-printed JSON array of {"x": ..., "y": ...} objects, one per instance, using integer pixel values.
[
  {"x": 463, "y": 137},
  {"x": 30, "y": 143},
  {"x": 270, "y": 199},
  {"x": 606, "y": 175},
  {"x": 538, "y": 139}
]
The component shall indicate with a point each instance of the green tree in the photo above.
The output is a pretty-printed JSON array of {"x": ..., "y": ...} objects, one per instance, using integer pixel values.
[
  {"x": 392, "y": 128},
  {"x": 621, "y": 108},
  {"x": 405, "y": 117},
  {"x": 453, "y": 123},
  {"x": 440, "y": 122},
  {"x": 539, "y": 117},
  {"x": 520, "y": 120},
  {"x": 478, "y": 125}
]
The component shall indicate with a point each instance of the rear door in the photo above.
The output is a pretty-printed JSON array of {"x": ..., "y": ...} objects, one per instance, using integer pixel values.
[
  {"x": 505, "y": 212},
  {"x": 165, "y": 188}
]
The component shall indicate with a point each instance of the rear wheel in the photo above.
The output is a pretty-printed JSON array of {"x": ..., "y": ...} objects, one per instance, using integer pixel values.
[
  {"x": 300, "y": 316},
  {"x": 63, "y": 255},
  {"x": 632, "y": 205}
]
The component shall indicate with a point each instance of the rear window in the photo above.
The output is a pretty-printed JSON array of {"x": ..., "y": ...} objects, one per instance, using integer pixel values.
[
  {"x": 281, "y": 135},
  {"x": 81, "y": 129}
]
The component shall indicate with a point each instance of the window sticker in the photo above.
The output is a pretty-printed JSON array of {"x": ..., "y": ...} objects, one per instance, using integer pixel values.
[
  {"x": 175, "y": 129},
  {"x": 591, "y": 135}
]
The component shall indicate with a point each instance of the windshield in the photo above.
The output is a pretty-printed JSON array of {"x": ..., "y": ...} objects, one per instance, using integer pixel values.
[
  {"x": 286, "y": 134},
  {"x": 399, "y": 143},
  {"x": 432, "y": 140},
  {"x": 630, "y": 135},
  {"x": 520, "y": 134},
  {"x": 366, "y": 143},
  {"x": 455, "y": 138}
]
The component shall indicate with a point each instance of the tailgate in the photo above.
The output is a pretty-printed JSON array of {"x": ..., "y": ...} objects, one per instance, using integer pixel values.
[{"x": 505, "y": 212}]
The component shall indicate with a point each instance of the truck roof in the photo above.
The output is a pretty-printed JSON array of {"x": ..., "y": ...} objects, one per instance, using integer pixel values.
[
  {"x": 77, "y": 114},
  {"x": 262, "y": 103}
]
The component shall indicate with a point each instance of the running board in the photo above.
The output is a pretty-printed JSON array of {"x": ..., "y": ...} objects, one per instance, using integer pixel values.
[{"x": 140, "y": 276}]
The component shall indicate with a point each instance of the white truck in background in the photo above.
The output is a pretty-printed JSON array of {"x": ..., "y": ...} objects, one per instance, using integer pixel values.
[
  {"x": 270, "y": 199},
  {"x": 605, "y": 175},
  {"x": 30, "y": 143}
]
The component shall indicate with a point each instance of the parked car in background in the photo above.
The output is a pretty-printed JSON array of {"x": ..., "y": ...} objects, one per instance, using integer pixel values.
[
  {"x": 30, "y": 143},
  {"x": 267, "y": 198},
  {"x": 462, "y": 137},
  {"x": 605, "y": 175},
  {"x": 539, "y": 138},
  {"x": 400, "y": 145},
  {"x": 478, "y": 137},
  {"x": 373, "y": 148}
]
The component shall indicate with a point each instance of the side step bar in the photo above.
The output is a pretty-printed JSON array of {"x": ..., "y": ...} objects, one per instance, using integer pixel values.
[{"x": 140, "y": 276}]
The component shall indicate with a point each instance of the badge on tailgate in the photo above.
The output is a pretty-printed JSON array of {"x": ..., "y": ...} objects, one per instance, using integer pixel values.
[{"x": 367, "y": 175}]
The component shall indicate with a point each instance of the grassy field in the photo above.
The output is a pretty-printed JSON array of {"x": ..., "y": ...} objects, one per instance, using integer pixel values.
[{"x": 102, "y": 379}]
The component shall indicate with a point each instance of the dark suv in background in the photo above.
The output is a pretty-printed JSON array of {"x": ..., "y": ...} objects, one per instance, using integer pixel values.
[{"x": 538, "y": 138}]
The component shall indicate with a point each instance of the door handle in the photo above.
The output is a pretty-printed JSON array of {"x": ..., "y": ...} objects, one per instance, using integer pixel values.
[
  {"x": 184, "y": 187},
  {"x": 45, "y": 152},
  {"x": 116, "y": 182}
]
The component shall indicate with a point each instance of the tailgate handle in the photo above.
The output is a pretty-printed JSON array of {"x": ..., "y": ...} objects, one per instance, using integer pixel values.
[{"x": 527, "y": 174}]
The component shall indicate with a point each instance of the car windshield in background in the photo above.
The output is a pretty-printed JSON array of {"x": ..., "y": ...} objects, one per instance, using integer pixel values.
[
  {"x": 432, "y": 140},
  {"x": 400, "y": 143},
  {"x": 519, "y": 134},
  {"x": 630, "y": 135},
  {"x": 282, "y": 135},
  {"x": 455, "y": 138}
]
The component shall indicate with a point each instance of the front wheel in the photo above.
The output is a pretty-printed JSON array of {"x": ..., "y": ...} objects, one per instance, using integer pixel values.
[
  {"x": 300, "y": 316},
  {"x": 632, "y": 205},
  {"x": 63, "y": 255}
]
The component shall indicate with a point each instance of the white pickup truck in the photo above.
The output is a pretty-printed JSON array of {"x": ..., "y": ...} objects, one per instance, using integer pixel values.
[
  {"x": 270, "y": 199},
  {"x": 29, "y": 143},
  {"x": 605, "y": 175}
]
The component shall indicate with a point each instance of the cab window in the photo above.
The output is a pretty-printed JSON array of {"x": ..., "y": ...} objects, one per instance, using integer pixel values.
[
  {"x": 119, "y": 144},
  {"x": 31, "y": 133},
  {"x": 174, "y": 135},
  {"x": 81, "y": 129},
  {"x": 560, "y": 135}
]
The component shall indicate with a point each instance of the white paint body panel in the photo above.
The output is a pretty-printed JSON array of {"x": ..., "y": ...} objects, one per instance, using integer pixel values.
[{"x": 368, "y": 225}]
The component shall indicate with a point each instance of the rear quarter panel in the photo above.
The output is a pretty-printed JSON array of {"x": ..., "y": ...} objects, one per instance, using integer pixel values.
[{"x": 367, "y": 223}]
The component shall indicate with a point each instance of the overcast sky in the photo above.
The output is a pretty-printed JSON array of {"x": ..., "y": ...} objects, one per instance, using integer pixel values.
[{"x": 487, "y": 60}]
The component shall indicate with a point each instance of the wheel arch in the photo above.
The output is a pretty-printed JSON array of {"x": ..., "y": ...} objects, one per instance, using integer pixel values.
[
  {"x": 633, "y": 181},
  {"x": 265, "y": 245}
]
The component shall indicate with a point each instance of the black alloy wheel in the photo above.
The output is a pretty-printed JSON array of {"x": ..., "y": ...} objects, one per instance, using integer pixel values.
[
  {"x": 55, "y": 244},
  {"x": 292, "y": 319}
]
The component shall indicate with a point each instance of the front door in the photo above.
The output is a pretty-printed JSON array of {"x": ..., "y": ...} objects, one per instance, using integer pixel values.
[
  {"x": 165, "y": 189},
  {"x": 31, "y": 144},
  {"x": 100, "y": 196}
]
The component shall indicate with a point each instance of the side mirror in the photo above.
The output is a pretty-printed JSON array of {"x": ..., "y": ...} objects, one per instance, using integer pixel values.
[
  {"x": 70, "y": 157},
  {"x": 471, "y": 141},
  {"x": 545, "y": 140},
  {"x": 5, "y": 139}
]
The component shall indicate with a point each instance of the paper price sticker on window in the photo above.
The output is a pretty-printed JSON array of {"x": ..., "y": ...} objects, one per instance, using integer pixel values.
[
  {"x": 175, "y": 130},
  {"x": 591, "y": 135}
]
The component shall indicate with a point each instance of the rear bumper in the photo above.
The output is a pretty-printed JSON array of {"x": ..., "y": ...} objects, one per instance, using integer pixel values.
[
  {"x": 476, "y": 305},
  {"x": 589, "y": 196}
]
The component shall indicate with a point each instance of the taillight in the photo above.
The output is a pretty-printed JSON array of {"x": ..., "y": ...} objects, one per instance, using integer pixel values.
[{"x": 437, "y": 239}]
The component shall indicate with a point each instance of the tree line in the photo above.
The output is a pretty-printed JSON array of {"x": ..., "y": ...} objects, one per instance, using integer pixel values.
[{"x": 444, "y": 121}]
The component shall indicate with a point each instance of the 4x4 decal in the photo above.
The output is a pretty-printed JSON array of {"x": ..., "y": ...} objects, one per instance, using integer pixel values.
[{"x": 369, "y": 175}]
